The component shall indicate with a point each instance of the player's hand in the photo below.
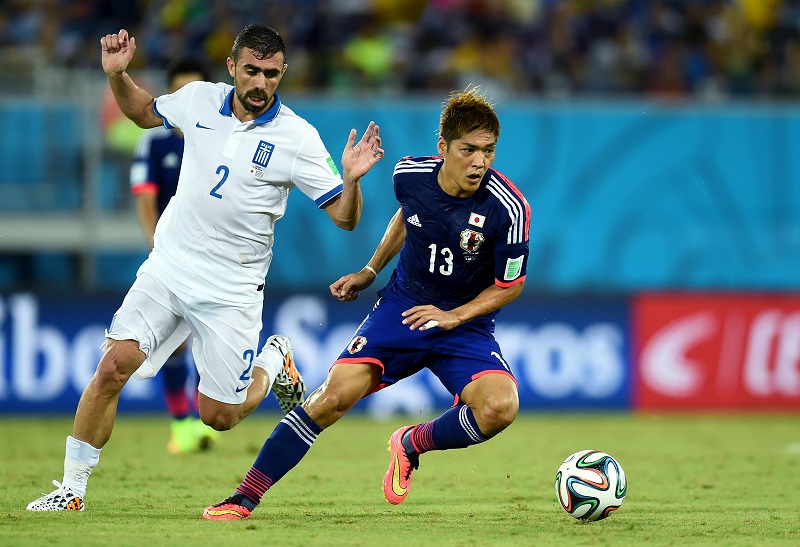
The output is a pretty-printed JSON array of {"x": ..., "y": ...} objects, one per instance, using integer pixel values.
[
  {"x": 430, "y": 317},
  {"x": 117, "y": 51},
  {"x": 358, "y": 158},
  {"x": 348, "y": 287}
]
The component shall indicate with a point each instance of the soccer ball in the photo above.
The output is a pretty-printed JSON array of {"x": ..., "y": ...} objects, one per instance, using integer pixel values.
[{"x": 590, "y": 485}]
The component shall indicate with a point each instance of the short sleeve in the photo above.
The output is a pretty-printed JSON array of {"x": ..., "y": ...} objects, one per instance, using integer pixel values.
[
  {"x": 512, "y": 244},
  {"x": 172, "y": 108},
  {"x": 510, "y": 264},
  {"x": 315, "y": 173}
]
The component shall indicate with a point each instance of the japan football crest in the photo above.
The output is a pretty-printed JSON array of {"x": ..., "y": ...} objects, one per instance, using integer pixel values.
[
  {"x": 471, "y": 240},
  {"x": 357, "y": 344}
]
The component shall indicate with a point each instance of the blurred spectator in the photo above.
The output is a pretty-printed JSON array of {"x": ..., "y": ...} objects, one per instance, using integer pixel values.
[
  {"x": 368, "y": 55},
  {"x": 675, "y": 48}
]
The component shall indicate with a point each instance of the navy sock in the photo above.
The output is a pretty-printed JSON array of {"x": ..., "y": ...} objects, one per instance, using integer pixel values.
[
  {"x": 456, "y": 428},
  {"x": 175, "y": 375},
  {"x": 289, "y": 442}
]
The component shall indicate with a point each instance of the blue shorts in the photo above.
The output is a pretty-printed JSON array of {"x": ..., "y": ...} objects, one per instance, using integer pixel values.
[{"x": 456, "y": 357}]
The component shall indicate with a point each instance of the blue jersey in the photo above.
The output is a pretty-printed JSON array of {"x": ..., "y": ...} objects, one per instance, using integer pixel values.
[
  {"x": 157, "y": 165},
  {"x": 457, "y": 247}
]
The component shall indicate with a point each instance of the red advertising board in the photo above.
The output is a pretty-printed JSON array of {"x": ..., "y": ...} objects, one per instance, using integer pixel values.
[{"x": 716, "y": 352}]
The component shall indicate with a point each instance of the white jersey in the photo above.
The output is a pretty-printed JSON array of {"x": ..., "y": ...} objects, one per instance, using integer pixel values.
[{"x": 215, "y": 237}]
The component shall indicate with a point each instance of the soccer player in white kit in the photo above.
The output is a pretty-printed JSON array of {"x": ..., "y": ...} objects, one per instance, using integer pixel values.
[{"x": 244, "y": 151}]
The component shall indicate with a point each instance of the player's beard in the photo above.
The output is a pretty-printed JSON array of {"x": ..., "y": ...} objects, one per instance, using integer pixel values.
[{"x": 250, "y": 107}]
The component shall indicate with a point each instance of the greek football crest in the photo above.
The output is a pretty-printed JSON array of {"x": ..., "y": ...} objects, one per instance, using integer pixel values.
[
  {"x": 357, "y": 344},
  {"x": 471, "y": 240},
  {"x": 263, "y": 153}
]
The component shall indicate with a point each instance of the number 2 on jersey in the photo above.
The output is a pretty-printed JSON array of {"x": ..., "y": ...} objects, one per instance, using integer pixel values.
[
  {"x": 224, "y": 170},
  {"x": 248, "y": 358}
]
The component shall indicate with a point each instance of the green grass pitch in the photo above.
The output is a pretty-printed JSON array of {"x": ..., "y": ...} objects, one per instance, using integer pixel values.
[{"x": 692, "y": 480}]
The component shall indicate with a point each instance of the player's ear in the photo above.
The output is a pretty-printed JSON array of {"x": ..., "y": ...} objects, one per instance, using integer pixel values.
[
  {"x": 441, "y": 146},
  {"x": 231, "y": 67}
]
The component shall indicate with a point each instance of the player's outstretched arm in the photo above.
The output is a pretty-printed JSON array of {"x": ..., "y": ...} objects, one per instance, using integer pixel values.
[
  {"x": 136, "y": 103},
  {"x": 357, "y": 159},
  {"x": 348, "y": 287}
]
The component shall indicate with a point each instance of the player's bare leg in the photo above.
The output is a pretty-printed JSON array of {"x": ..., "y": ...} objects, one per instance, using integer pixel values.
[
  {"x": 97, "y": 408},
  {"x": 94, "y": 421},
  {"x": 345, "y": 385}
]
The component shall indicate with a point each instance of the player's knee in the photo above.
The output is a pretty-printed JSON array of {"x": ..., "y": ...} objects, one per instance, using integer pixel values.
[
  {"x": 218, "y": 415},
  {"x": 332, "y": 403},
  {"x": 327, "y": 405},
  {"x": 116, "y": 367},
  {"x": 497, "y": 413},
  {"x": 219, "y": 421}
]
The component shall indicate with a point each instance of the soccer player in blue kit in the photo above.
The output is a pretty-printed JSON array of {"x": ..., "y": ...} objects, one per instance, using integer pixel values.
[
  {"x": 154, "y": 180},
  {"x": 462, "y": 235}
]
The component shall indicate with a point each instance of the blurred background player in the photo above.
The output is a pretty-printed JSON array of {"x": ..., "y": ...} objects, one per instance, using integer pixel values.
[{"x": 154, "y": 180}]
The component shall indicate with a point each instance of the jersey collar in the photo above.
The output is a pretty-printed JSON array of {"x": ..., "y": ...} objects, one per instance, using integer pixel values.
[{"x": 227, "y": 109}]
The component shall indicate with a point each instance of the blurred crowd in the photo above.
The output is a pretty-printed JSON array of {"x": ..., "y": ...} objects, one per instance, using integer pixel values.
[{"x": 561, "y": 48}]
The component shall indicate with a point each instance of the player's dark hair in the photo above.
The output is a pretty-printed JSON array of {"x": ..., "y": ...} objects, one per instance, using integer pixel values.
[
  {"x": 467, "y": 111},
  {"x": 188, "y": 66},
  {"x": 263, "y": 40}
]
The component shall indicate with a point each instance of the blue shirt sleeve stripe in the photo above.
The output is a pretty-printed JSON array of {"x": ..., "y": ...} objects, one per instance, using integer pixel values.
[
  {"x": 166, "y": 122},
  {"x": 323, "y": 200}
]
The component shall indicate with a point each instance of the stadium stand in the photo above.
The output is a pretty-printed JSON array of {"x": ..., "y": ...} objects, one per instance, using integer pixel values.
[{"x": 55, "y": 159}]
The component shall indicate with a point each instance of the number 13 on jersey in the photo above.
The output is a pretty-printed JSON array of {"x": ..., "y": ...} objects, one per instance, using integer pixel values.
[{"x": 447, "y": 267}]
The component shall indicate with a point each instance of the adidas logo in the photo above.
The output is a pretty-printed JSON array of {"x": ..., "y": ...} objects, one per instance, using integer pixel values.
[{"x": 414, "y": 220}]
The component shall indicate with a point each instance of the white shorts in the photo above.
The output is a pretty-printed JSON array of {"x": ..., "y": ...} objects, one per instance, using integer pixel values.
[{"x": 224, "y": 343}]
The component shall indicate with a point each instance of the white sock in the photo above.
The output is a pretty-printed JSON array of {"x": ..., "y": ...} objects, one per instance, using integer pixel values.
[
  {"x": 269, "y": 360},
  {"x": 79, "y": 461}
]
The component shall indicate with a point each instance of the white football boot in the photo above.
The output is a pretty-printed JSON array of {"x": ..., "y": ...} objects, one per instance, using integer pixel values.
[
  {"x": 60, "y": 499},
  {"x": 288, "y": 387}
]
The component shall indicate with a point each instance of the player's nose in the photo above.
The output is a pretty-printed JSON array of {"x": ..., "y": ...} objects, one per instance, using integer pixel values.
[{"x": 479, "y": 160}]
